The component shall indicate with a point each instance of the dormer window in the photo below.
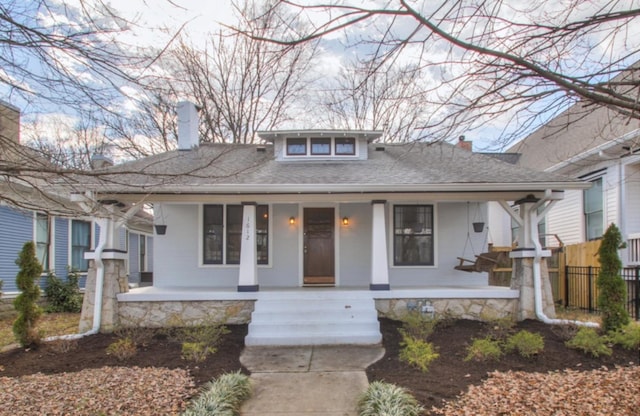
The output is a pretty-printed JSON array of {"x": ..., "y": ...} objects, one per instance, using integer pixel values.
[
  {"x": 345, "y": 146},
  {"x": 297, "y": 147},
  {"x": 321, "y": 146}
]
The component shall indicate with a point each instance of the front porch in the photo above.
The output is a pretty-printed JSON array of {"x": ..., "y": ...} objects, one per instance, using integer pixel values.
[{"x": 160, "y": 306}]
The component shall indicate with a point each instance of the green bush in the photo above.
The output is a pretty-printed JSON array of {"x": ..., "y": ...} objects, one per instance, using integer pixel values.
[
  {"x": 417, "y": 352},
  {"x": 196, "y": 351},
  {"x": 222, "y": 397},
  {"x": 389, "y": 400},
  {"x": 628, "y": 337},
  {"x": 24, "y": 327},
  {"x": 526, "y": 343},
  {"x": 612, "y": 290},
  {"x": 63, "y": 296},
  {"x": 484, "y": 349},
  {"x": 588, "y": 340},
  {"x": 122, "y": 349},
  {"x": 418, "y": 325}
]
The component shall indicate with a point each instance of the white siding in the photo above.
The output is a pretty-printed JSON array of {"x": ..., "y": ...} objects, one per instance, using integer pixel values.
[
  {"x": 566, "y": 218},
  {"x": 499, "y": 225},
  {"x": 611, "y": 196},
  {"x": 632, "y": 198}
]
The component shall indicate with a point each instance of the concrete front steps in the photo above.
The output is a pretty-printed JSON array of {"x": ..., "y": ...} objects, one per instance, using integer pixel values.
[{"x": 314, "y": 317}]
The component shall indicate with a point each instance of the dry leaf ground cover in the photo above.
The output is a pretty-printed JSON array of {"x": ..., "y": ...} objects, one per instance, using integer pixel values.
[{"x": 157, "y": 381}]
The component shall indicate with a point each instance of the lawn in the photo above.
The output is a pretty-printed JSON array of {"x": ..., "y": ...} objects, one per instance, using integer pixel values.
[{"x": 50, "y": 324}]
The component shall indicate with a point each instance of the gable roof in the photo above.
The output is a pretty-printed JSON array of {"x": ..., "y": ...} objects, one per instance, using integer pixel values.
[
  {"x": 578, "y": 135},
  {"x": 232, "y": 168}
]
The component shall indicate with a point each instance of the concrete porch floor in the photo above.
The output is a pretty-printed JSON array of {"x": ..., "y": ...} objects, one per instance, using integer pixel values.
[{"x": 181, "y": 293}]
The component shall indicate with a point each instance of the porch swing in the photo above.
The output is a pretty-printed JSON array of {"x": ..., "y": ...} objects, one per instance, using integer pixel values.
[{"x": 483, "y": 262}]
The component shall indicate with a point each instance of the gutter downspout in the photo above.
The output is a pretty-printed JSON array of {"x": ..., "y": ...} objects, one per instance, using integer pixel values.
[
  {"x": 537, "y": 278},
  {"x": 97, "y": 303}
]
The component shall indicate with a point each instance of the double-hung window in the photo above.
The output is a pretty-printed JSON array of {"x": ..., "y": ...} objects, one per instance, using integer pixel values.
[
  {"x": 593, "y": 210},
  {"x": 413, "y": 235},
  {"x": 142, "y": 253},
  {"x": 43, "y": 240},
  {"x": 80, "y": 244},
  {"x": 223, "y": 231}
]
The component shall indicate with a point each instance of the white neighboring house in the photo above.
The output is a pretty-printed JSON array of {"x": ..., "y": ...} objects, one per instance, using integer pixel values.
[{"x": 599, "y": 146}]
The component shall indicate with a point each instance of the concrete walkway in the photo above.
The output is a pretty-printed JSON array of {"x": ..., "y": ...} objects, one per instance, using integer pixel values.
[{"x": 309, "y": 380}]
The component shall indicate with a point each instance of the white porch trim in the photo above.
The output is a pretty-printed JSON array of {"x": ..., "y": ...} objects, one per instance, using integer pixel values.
[
  {"x": 379, "y": 261},
  {"x": 248, "y": 273}
]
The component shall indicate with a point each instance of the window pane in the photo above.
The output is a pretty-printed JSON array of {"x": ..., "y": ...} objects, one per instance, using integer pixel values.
[
  {"x": 42, "y": 240},
  {"x": 143, "y": 253},
  {"x": 234, "y": 233},
  {"x": 321, "y": 146},
  {"x": 262, "y": 233},
  {"x": 296, "y": 146},
  {"x": 413, "y": 228},
  {"x": 212, "y": 234},
  {"x": 80, "y": 244},
  {"x": 593, "y": 210},
  {"x": 345, "y": 146}
]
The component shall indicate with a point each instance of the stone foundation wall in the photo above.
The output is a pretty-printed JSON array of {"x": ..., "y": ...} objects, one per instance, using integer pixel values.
[
  {"x": 474, "y": 309},
  {"x": 185, "y": 313}
]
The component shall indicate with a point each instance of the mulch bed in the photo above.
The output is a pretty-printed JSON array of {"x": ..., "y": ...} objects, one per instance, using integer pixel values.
[{"x": 447, "y": 378}]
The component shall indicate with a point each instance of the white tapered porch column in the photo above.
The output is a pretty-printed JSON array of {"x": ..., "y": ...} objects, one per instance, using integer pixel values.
[
  {"x": 248, "y": 274},
  {"x": 379, "y": 263}
]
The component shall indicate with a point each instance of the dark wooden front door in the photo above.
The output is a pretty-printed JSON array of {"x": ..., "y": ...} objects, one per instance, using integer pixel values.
[{"x": 319, "y": 248}]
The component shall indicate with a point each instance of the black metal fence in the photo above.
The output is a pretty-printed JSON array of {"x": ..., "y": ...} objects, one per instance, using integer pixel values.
[{"x": 581, "y": 291}]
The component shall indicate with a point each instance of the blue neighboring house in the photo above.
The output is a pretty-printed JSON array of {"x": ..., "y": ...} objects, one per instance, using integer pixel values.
[
  {"x": 61, "y": 244},
  {"x": 61, "y": 241}
]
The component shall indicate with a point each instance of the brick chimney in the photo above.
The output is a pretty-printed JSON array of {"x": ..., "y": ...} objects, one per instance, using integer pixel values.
[
  {"x": 9, "y": 122},
  {"x": 188, "y": 122},
  {"x": 465, "y": 144}
]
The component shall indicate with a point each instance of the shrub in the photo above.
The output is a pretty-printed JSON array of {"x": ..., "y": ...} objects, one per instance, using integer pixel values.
[
  {"x": 588, "y": 340},
  {"x": 417, "y": 352},
  {"x": 628, "y": 337},
  {"x": 24, "y": 327},
  {"x": 417, "y": 325},
  {"x": 484, "y": 349},
  {"x": 63, "y": 296},
  {"x": 612, "y": 291},
  {"x": 526, "y": 343},
  {"x": 122, "y": 349},
  {"x": 139, "y": 336},
  {"x": 222, "y": 397},
  {"x": 196, "y": 351},
  {"x": 387, "y": 399}
]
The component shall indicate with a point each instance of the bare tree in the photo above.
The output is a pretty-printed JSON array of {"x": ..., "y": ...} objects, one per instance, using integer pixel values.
[
  {"x": 390, "y": 99},
  {"x": 242, "y": 84},
  {"x": 517, "y": 62}
]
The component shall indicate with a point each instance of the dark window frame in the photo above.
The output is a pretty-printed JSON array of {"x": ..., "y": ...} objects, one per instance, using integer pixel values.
[
  {"x": 406, "y": 237},
  {"x": 75, "y": 245},
  {"x": 296, "y": 141},
  {"x": 43, "y": 246},
  {"x": 233, "y": 212},
  {"x": 322, "y": 141},
  {"x": 343, "y": 141}
]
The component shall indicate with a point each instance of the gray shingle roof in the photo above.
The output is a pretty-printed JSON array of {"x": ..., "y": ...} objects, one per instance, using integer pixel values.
[{"x": 402, "y": 167}]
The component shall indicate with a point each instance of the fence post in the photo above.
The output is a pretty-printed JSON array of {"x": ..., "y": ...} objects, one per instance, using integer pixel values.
[
  {"x": 566, "y": 286},
  {"x": 637, "y": 300},
  {"x": 590, "y": 271}
]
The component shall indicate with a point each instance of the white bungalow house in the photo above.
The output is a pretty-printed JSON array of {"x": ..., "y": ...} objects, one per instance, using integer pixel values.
[{"x": 315, "y": 233}]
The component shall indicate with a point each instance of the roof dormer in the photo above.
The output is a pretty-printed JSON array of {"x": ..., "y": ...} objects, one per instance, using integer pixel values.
[{"x": 309, "y": 145}]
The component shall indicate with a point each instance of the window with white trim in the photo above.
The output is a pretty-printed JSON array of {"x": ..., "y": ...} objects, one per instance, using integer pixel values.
[
  {"x": 413, "y": 235},
  {"x": 43, "y": 240},
  {"x": 80, "y": 244},
  {"x": 219, "y": 245},
  {"x": 142, "y": 252},
  {"x": 594, "y": 210}
]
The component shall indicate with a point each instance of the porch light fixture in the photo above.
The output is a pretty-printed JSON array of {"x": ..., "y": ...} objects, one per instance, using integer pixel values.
[
  {"x": 345, "y": 221},
  {"x": 292, "y": 220}
]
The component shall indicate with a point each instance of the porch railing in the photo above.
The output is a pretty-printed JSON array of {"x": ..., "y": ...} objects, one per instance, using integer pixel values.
[
  {"x": 633, "y": 249},
  {"x": 581, "y": 291}
]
